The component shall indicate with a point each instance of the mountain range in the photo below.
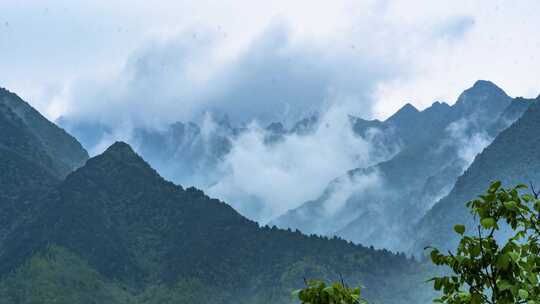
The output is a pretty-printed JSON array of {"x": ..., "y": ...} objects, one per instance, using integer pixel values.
[
  {"x": 437, "y": 145},
  {"x": 420, "y": 155},
  {"x": 112, "y": 230}
]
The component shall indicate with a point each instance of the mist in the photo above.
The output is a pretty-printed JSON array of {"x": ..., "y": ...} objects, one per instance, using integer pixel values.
[{"x": 264, "y": 180}]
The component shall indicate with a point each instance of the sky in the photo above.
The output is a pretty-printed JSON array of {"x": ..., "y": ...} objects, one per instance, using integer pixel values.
[{"x": 142, "y": 62}]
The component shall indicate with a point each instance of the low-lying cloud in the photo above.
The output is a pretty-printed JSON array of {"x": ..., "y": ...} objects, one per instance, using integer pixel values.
[
  {"x": 468, "y": 138},
  {"x": 265, "y": 180}
]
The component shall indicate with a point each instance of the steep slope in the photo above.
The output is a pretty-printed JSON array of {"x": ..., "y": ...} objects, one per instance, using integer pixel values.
[
  {"x": 65, "y": 153},
  {"x": 22, "y": 184},
  {"x": 512, "y": 158},
  {"x": 26, "y": 170},
  {"x": 512, "y": 113},
  {"x": 135, "y": 228},
  {"x": 438, "y": 144},
  {"x": 34, "y": 156}
]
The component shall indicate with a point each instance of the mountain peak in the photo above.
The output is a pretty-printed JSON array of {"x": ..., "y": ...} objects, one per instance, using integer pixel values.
[
  {"x": 122, "y": 153},
  {"x": 405, "y": 113},
  {"x": 407, "y": 108},
  {"x": 119, "y": 165},
  {"x": 483, "y": 87},
  {"x": 484, "y": 84},
  {"x": 120, "y": 147},
  {"x": 483, "y": 94},
  {"x": 439, "y": 104}
]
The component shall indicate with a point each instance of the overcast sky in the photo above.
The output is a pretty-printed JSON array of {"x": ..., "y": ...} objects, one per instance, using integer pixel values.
[{"x": 154, "y": 61}]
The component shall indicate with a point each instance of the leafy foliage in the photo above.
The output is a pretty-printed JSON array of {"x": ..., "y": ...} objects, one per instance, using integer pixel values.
[
  {"x": 486, "y": 269},
  {"x": 317, "y": 292}
]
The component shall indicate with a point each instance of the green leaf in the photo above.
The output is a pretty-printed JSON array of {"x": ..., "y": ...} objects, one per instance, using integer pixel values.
[
  {"x": 504, "y": 285},
  {"x": 488, "y": 222},
  {"x": 523, "y": 294},
  {"x": 510, "y": 205},
  {"x": 459, "y": 229},
  {"x": 475, "y": 250},
  {"x": 476, "y": 299},
  {"x": 495, "y": 186},
  {"x": 514, "y": 255},
  {"x": 528, "y": 198}
]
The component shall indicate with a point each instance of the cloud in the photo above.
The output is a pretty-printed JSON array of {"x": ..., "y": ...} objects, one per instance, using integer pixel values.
[
  {"x": 278, "y": 75},
  {"x": 263, "y": 181},
  {"x": 273, "y": 79},
  {"x": 163, "y": 81},
  {"x": 454, "y": 28},
  {"x": 348, "y": 186},
  {"x": 469, "y": 141}
]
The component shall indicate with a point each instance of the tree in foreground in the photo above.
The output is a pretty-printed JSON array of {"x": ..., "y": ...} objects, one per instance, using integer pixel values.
[
  {"x": 490, "y": 268},
  {"x": 317, "y": 292}
]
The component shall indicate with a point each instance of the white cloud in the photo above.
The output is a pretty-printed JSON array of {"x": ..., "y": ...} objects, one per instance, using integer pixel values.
[
  {"x": 263, "y": 181},
  {"x": 274, "y": 78},
  {"x": 468, "y": 141}
]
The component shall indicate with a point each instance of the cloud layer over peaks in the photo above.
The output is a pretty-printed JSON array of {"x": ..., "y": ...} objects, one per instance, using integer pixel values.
[{"x": 272, "y": 79}]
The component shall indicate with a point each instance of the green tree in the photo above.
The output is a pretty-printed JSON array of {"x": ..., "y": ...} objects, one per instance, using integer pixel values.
[
  {"x": 490, "y": 268},
  {"x": 318, "y": 292}
]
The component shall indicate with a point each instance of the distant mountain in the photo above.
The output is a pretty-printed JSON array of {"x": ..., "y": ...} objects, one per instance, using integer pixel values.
[
  {"x": 135, "y": 237},
  {"x": 32, "y": 135},
  {"x": 187, "y": 153},
  {"x": 512, "y": 158},
  {"x": 512, "y": 113},
  {"x": 437, "y": 143}
]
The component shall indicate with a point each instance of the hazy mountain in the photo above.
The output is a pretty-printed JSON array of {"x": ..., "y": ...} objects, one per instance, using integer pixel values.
[
  {"x": 512, "y": 113},
  {"x": 32, "y": 135},
  {"x": 438, "y": 144},
  {"x": 186, "y": 153},
  {"x": 511, "y": 158},
  {"x": 118, "y": 223}
]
